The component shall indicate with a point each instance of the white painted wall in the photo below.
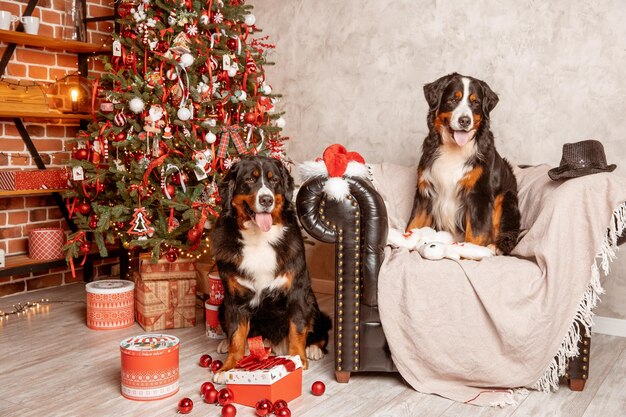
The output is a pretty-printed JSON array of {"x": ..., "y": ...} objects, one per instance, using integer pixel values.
[{"x": 352, "y": 72}]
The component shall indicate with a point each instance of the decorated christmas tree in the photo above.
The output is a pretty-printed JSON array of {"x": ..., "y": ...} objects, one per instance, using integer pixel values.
[{"x": 184, "y": 95}]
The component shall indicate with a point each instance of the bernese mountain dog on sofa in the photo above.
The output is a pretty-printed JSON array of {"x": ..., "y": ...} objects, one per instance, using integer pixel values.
[
  {"x": 463, "y": 185},
  {"x": 259, "y": 251}
]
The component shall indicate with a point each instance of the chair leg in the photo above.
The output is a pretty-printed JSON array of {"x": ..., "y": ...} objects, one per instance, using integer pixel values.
[
  {"x": 576, "y": 384},
  {"x": 342, "y": 376}
]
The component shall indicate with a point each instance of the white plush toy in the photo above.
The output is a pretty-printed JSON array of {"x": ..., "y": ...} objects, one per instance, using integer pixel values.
[{"x": 435, "y": 245}]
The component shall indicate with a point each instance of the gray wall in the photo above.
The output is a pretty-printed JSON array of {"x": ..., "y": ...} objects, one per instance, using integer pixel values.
[{"x": 352, "y": 71}]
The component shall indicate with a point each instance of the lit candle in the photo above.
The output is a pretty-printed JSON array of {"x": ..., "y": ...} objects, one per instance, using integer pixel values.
[{"x": 74, "y": 95}]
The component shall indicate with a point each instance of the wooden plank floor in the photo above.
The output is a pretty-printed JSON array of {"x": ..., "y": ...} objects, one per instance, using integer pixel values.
[{"x": 51, "y": 364}]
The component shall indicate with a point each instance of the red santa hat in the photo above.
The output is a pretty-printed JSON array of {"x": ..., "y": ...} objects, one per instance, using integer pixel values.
[{"x": 336, "y": 164}]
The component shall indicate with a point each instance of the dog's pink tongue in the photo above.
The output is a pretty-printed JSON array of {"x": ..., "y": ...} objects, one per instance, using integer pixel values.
[
  {"x": 461, "y": 137},
  {"x": 264, "y": 221}
]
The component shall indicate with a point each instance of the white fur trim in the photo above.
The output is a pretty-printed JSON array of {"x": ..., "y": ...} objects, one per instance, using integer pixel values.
[
  {"x": 357, "y": 169},
  {"x": 312, "y": 169},
  {"x": 569, "y": 347},
  {"x": 336, "y": 188}
]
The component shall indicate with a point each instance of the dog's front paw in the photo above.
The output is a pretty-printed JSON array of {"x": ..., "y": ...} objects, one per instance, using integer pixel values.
[
  {"x": 219, "y": 378},
  {"x": 314, "y": 353},
  {"x": 223, "y": 346}
]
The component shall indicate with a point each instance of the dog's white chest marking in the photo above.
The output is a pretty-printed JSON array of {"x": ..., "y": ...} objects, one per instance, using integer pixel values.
[
  {"x": 259, "y": 260},
  {"x": 445, "y": 174}
]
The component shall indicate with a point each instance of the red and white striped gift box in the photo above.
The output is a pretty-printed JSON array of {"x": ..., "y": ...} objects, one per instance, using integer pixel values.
[{"x": 46, "y": 243}]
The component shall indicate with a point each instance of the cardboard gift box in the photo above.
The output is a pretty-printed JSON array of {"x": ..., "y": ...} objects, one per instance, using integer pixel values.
[
  {"x": 281, "y": 378},
  {"x": 182, "y": 268},
  {"x": 165, "y": 304},
  {"x": 34, "y": 179}
]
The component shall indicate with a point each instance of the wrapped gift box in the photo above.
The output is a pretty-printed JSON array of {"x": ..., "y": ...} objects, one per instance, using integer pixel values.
[
  {"x": 281, "y": 381},
  {"x": 34, "y": 179},
  {"x": 165, "y": 304},
  {"x": 182, "y": 268}
]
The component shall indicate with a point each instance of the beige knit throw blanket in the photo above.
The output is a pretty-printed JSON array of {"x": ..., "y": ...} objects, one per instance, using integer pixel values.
[{"x": 480, "y": 332}]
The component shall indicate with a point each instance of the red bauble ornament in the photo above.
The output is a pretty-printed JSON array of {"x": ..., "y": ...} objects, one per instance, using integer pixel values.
[
  {"x": 279, "y": 404},
  {"x": 263, "y": 407},
  {"x": 232, "y": 44},
  {"x": 205, "y": 362},
  {"x": 85, "y": 247},
  {"x": 229, "y": 410},
  {"x": 318, "y": 388},
  {"x": 171, "y": 190},
  {"x": 193, "y": 235},
  {"x": 120, "y": 137},
  {"x": 249, "y": 117},
  {"x": 120, "y": 225},
  {"x": 101, "y": 187},
  {"x": 93, "y": 224},
  {"x": 283, "y": 412},
  {"x": 216, "y": 365},
  {"x": 206, "y": 386},
  {"x": 81, "y": 154},
  {"x": 171, "y": 255},
  {"x": 185, "y": 406},
  {"x": 84, "y": 208},
  {"x": 210, "y": 396},
  {"x": 225, "y": 396},
  {"x": 175, "y": 179}
]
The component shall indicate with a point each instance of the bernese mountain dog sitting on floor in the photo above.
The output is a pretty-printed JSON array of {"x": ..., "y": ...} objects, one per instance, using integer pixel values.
[
  {"x": 464, "y": 186},
  {"x": 259, "y": 251}
]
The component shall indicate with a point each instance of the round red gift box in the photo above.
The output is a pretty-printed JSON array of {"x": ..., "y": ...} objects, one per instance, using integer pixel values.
[
  {"x": 213, "y": 328},
  {"x": 216, "y": 290},
  {"x": 110, "y": 304},
  {"x": 46, "y": 243},
  {"x": 149, "y": 366}
]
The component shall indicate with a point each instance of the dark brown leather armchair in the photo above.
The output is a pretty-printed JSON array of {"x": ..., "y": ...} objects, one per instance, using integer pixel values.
[{"x": 357, "y": 225}]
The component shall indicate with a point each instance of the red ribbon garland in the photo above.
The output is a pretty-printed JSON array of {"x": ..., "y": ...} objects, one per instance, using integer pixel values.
[{"x": 78, "y": 238}]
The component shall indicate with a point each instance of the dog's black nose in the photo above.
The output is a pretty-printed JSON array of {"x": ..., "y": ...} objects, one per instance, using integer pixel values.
[
  {"x": 266, "y": 200},
  {"x": 464, "y": 121}
]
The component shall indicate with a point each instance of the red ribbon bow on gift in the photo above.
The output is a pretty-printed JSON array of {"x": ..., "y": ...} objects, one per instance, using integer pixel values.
[
  {"x": 336, "y": 158},
  {"x": 259, "y": 357}
]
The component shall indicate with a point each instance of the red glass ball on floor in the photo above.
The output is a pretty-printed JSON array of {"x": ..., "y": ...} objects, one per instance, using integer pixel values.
[
  {"x": 279, "y": 404},
  {"x": 207, "y": 385},
  {"x": 263, "y": 407},
  {"x": 282, "y": 412},
  {"x": 205, "y": 362},
  {"x": 185, "y": 406},
  {"x": 229, "y": 410},
  {"x": 210, "y": 396},
  {"x": 318, "y": 388},
  {"x": 216, "y": 365},
  {"x": 225, "y": 396}
]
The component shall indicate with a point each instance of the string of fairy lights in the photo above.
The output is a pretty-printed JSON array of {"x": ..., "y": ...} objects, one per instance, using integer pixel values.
[{"x": 29, "y": 307}]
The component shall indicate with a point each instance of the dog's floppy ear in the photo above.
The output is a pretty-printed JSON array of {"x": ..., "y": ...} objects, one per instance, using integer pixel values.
[
  {"x": 490, "y": 99},
  {"x": 434, "y": 90},
  {"x": 288, "y": 183},
  {"x": 226, "y": 187}
]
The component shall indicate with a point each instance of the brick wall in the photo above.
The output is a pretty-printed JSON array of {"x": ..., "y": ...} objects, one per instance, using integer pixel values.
[{"x": 19, "y": 215}]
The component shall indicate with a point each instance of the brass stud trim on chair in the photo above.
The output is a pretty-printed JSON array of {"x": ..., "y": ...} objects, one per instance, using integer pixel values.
[
  {"x": 339, "y": 344},
  {"x": 340, "y": 287},
  {"x": 566, "y": 375},
  {"x": 585, "y": 342},
  {"x": 340, "y": 262},
  {"x": 340, "y": 312},
  {"x": 340, "y": 328},
  {"x": 339, "y": 368},
  {"x": 356, "y": 344},
  {"x": 356, "y": 360},
  {"x": 584, "y": 376},
  {"x": 356, "y": 368},
  {"x": 340, "y": 247},
  {"x": 356, "y": 320},
  {"x": 340, "y": 319},
  {"x": 585, "y": 351},
  {"x": 340, "y": 255},
  {"x": 356, "y": 336},
  {"x": 340, "y": 303},
  {"x": 339, "y": 360},
  {"x": 324, "y": 218},
  {"x": 340, "y": 296},
  {"x": 356, "y": 328},
  {"x": 584, "y": 368},
  {"x": 585, "y": 359},
  {"x": 356, "y": 304}
]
